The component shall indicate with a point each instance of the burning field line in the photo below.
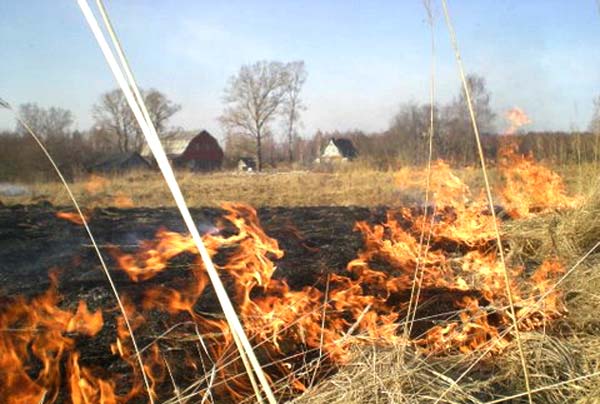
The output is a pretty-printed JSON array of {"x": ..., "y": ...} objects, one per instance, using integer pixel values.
[
  {"x": 299, "y": 330},
  {"x": 389, "y": 295}
]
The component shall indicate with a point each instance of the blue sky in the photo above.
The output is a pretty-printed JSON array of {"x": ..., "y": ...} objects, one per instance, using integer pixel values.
[{"x": 363, "y": 58}]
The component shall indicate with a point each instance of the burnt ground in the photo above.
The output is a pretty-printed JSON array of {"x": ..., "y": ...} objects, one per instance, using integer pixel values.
[{"x": 33, "y": 240}]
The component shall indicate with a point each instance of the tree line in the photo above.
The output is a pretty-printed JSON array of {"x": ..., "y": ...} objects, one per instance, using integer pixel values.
[
  {"x": 114, "y": 131},
  {"x": 262, "y": 118}
]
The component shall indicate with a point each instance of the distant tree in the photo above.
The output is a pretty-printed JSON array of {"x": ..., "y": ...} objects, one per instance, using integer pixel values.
[
  {"x": 594, "y": 127},
  {"x": 408, "y": 134},
  {"x": 114, "y": 118},
  {"x": 253, "y": 98},
  {"x": 236, "y": 147},
  {"x": 49, "y": 123},
  {"x": 480, "y": 97},
  {"x": 69, "y": 148},
  {"x": 292, "y": 104},
  {"x": 457, "y": 126}
]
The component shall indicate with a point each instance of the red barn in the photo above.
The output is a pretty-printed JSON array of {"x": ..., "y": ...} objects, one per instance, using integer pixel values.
[{"x": 195, "y": 151}]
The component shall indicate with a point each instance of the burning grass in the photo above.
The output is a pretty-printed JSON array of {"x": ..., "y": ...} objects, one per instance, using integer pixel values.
[{"x": 342, "y": 336}]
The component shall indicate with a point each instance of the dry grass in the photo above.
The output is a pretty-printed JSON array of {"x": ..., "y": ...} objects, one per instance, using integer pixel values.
[
  {"x": 563, "y": 360},
  {"x": 566, "y": 352},
  {"x": 293, "y": 188},
  {"x": 350, "y": 185}
]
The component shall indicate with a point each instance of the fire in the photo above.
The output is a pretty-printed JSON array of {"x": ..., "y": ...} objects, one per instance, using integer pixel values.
[
  {"x": 530, "y": 187},
  {"x": 41, "y": 332},
  {"x": 98, "y": 186},
  {"x": 95, "y": 184},
  {"x": 461, "y": 306},
  {"x": 72, "y": 217},
  {"x": 123, "y": 201},
  {"x": 85, "y": 388},
  {"x": 516, "y": 118}
]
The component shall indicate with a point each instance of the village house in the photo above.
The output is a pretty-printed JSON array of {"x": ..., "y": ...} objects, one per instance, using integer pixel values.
[
  {"x": 246, "y": 164},
  {"x": 194, "y": 151},
  {"x": 338, "y": 149}
]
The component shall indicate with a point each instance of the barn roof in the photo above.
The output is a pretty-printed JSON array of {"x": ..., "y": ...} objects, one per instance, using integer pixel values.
[
  {"x": 346, "y": 147},
  {"x": 174, "y": 144}
]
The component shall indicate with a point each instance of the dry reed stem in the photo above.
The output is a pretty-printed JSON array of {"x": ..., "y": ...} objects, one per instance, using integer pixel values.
[
  {"x": 142, "y": 117},
  {"x": 418, "y": 275},
  {"x": 488, "y": 191}
]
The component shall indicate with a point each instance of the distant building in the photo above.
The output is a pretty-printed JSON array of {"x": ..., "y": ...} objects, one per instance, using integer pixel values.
[
  {"x": 339, "y": 150},
  {"x": 119, "y": 162},
  {"x": 247, "y": 164},
  {"x": 195, "y": 151}
]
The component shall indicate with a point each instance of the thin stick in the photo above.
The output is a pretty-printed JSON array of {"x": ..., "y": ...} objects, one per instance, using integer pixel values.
[
  {"x": 314, "y": 376},
  {"x": 208, "y": 394},
  {"x": 356, "y": 324},
  {"x": 242, "y": 342},
  {"x": 417, "y": 278},
  {"x": 92, "y": 239},
  {"x": 123, "y": 60},
  {"x": 175, "y": 388},
  {"x": 488, "y": 191}
]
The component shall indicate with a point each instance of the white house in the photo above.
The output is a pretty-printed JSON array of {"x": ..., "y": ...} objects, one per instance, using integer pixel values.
[{"x": 339, "y": 150}]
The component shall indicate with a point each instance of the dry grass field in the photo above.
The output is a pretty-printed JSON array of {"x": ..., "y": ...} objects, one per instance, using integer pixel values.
[
  {"x": 561, "y": 352},
  {"x": 353, "y": 185}
]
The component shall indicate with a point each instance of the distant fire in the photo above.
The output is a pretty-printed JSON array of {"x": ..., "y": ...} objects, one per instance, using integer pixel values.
[
  {"x": 99, "y": 187},
  {"x": 72, "y": 217},
  {"x": 462, "y": 304},
  {"x": 95, "y": 184},
  {"x": 123, "y": 201},
  {"x": 516, "y": 118}
]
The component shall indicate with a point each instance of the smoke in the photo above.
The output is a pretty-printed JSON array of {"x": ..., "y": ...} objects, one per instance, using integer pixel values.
[
  {"x": 516, "y": 118},
  {"x": 8, "y": 189}
]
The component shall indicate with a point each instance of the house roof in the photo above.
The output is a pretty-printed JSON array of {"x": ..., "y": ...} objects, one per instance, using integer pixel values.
[
  {"x": 249, "y": 161},
  {"x": 346, "y": 147},
  {"x": 118, "y": 160}
]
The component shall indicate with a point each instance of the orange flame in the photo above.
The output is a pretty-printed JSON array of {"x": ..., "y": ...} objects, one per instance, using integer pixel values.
[
  {"x": 95, "y": 184},
  {"x": 462, "y": 303},
  {"x": 72, "y": 217},
  {"x": 516, "y": 118},
  {"x": 530, "y": 187},
  {"x": 123, "y": 201}
]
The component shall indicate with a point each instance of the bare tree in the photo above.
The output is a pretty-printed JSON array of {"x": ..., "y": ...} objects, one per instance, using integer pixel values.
[
  {"x": 409, "y": 131},
  {"x": 481, "y": 97},
  {"x": 160, "y": 109},
  {"x": 292, "y": 105},
  {"x": 48, "y": 123},
  {"x": 114, "y": 117},
  {"x": 594, "y": 128},
  {"x": 253, "y": 98},
  {"x": 458, "y": 131}
]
